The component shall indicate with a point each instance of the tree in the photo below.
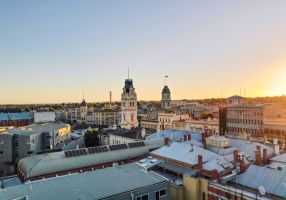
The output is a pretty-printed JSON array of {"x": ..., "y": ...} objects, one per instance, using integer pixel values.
[{"x": 91, "y": 139}]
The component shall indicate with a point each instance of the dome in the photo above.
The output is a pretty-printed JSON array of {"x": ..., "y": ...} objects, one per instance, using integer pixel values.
[
  {"x": 236, "y": 97},
  {"x": 166, "y": 90},
  {"x": 83, "y": 103}
]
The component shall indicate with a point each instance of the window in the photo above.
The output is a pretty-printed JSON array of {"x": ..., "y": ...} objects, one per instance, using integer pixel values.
[
  {"x": 160, "y": 194},
  {"x": 1, "y": 153},
  {"x": 163, "y": 192},
  {"x": 1, "y": 141},
  {"x": 144, "y": 197}
]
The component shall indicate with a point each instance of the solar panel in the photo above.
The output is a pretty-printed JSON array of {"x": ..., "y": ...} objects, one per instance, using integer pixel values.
[
  {"x": 105, "y": 148},
  {"x": 73, "y": 153},
  {"x": 91, "y": 150},
  {"x": 66, "y": 154}
]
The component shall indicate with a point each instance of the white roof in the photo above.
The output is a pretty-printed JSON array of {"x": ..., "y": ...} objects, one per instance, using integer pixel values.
[
  {"x": 185, "y": 152},
  {"x": 220, "y": 164},
  {"x": 280, "y": 158},
  {"x": 272, "y": 180}
]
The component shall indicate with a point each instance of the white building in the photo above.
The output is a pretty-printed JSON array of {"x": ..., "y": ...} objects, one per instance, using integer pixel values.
[
  {"x": 128, "y": 118},
  {"x": 78, "y": 114}
]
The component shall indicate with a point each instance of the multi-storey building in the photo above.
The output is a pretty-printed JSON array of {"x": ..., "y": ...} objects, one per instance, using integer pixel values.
[
  {"x": 104, "y": 117},
  {"x": 16, "y": 119},
  {"x": 167, "y": 120},
  {"x": 19, "y": 143},
  {"x": 258, "y": 121},
  {"x": 244, "y": 119},
  {"x": 128, "y": 117},
  {"x": 78, "y": 114}
]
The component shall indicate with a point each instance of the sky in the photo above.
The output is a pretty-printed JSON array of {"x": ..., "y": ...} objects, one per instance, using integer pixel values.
[{"x": 53, "y": 51}]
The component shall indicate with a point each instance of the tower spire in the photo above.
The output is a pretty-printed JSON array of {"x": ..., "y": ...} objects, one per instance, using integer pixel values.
[
  {"x": 166, "y": 79},
  {"x": 128, "y": 73},
  {"x": 83, "y": 95}
]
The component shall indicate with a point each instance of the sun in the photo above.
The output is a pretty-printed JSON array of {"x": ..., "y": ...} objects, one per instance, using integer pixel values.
[{"x": 277, "y": 86}]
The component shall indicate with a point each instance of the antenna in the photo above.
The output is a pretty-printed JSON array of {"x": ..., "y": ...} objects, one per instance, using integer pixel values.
[
  {"x": 128, "y": 72},
  {"x": 239, "y": 91},
  {"x": 262, "y": 190},
  {"x": 83, "y": 95},
  {"x": 110, "y": 97},
  {"x": 166, "y": 80}
]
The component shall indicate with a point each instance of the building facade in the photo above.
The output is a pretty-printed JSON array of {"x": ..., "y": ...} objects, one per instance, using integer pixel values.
[
  {"x": 166, "y": 98},
  {"x": 128, "y": 117},
  {"x": 19, "y": 143}
]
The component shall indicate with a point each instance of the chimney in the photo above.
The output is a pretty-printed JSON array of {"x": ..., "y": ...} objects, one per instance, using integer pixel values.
[
  {"x": 258, "y": 148},
  {"x": 204, "y": 143},
  {"x": 265, "y": 158},
  {"x": 204, "y": 135},
  {"x": 214, "y": 175},
  {"x": 200, "y": 162},
  {"x": 166, "y": 141},
  {"x": 242, "y": 165},
  {"x": 257, "y": 158},
  {"x": 185, "y": 138},
  {"x": 235, "y": 156}
]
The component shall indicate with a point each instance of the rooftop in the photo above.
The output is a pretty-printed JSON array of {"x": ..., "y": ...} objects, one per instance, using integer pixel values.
[
  {"x": 248, "y": 147},
  {"x": 89, "y": 186},
  {"x": 51, "y": 163},
  {"x": 38, "y": 128},
  {"x": 280, "y": 158},
  {"x": 177, "y": 135},
  {"x": 184, "y": 152},
  {"x": 133, "y": 133},
  {"x": 272, "y": 180}
]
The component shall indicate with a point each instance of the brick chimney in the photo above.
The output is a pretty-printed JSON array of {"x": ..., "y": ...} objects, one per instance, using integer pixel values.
[
  {"x": 265, "y": 157},
  {"x": 235, "y": 156},
  {"x": 242, "y": 165},
  {"x": 200, "y": 162},
  {"x": 185, "y": 138},
  {"x": 258, "y": 148},
  {"x": 214, "y": 175},
  {"x": 166, "y": 141},
  {"x": 204, "y": 143},
  {"x": 257, "y": 158}
]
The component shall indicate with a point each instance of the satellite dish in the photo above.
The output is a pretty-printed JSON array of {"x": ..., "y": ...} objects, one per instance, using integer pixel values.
[{"x": 262, "y": 190}]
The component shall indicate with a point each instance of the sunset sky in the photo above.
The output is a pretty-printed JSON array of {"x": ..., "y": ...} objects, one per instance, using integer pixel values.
[{"x": 53, "y": 51}]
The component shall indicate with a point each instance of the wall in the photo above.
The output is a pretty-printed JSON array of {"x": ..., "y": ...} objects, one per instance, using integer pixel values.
[
  {"x": 177, "y": 192},
  {"x": 194, "y": 188}
]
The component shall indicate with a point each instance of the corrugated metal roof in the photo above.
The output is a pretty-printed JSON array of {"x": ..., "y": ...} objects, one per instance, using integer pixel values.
[
  {"x": 185, "y": 152},
  {"x": 86, "y": 186},
  {"x": 177, "y": 135},
  {"x": 57, "y": 162},
  {"x": 249, "y": 148},
  {"x": 272, "y": 180},
  {"x": 217, "y": 163},
  {"x": 38, "y": 128},
  {"x": 280, "y": 158}
]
